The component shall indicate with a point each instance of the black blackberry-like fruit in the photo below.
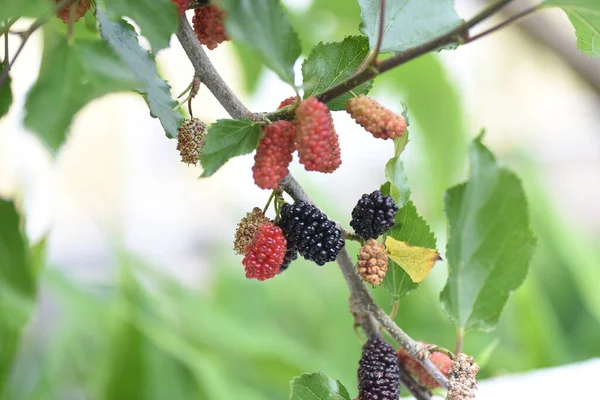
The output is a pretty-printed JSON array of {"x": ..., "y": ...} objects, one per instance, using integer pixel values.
[
  {"x": 373, "y": 215},
  {"x": 378, "y": 371},
  {"x": 290, "y": 255},
  {"x": 308, "y": 229}
]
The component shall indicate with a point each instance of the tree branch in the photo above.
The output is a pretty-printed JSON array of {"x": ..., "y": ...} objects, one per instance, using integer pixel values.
[
  {"x": 456, "y": 35},
  {"x": 208, "y": 74}
]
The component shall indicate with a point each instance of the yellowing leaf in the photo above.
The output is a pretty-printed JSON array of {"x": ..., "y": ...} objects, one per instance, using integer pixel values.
[{"x": 416, "y": 261}]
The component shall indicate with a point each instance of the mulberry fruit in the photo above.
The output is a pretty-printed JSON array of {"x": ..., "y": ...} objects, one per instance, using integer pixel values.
[
  {"x": 247, "y": 229},
  {"x": 266, "y": 252},
  {"x": 290, "y": 255},
  {"x": 287, "y": 102},
  {"x": 274, "y": 154},
  {"x": 372, "y": 263},
  {"x": 309, "y": 230},
  {"x": 373, "y": 215},
  {"x": 191, "y": 140},
  {"x": 462, "y": 382},
  {"x": 209, "y": 26},
  {"x": 413, "y": 367},
  {"x": 74, "y": 11},
  {"x": 318, "y": 142},
  {"x": 376, "y": 119},
  {"x": 182, "y": 5},
  {"x": 378, "y": 371}
]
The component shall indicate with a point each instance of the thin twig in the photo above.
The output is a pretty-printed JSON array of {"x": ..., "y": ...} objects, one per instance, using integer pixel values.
[
  {"x": 6, "y": 55},
  {"x": 503, "y": 24},
  {"x": 413, "y": 386},
  {"x": 455, "y": 35},
  {"x": 381, "y": 29},
  {"x": 27, "y": 34}
]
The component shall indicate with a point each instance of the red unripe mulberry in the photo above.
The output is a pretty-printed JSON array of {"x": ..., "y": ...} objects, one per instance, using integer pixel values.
[
  {"x": 287, "y": 102},
  {"x": 182, "y": 5},
  {"x": 413, "y": 367},
  {"x": 274, "y": 154},
  {"x": 209, "y": 26},
  {"x": 318, "y": 142},
  {"x": 75, "y": 10},
  {"x": 375, "y": 118},
  {"x": 266, "y": 252}
]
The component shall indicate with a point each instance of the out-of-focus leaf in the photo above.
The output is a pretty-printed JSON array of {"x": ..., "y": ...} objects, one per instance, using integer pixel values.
[
  {"x": 158, "y": 19},
  {"x": 490, "y": 242},
  {"x": 228, "y": 138},
  {"x": 585, "y": 17},
  {"x": 71, "y": 75},
  {"x": 407, "y": 23},
  {"x": 414, "y": 260},
  {"x": 122, "y": 38},
  {"x": 263, "y": 26},
  {"x": 317, "y": 386},
  {"x": 250, "y": 64},
  {"x": 331, "y": 63},
  {"x": 398, "y": 183},
  {"x": 15, "y": 9},
  {"x": 410, "y": 228},
  {"x": 437, "y": 124},
  {"x": 5, "y": 94}
]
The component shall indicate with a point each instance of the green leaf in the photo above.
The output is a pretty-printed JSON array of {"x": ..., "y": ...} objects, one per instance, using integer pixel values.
[
  {"x": 398, "y": 183},
  {"x": 29, "y": 8},
  {"x": 5, "y": 94},
  {"x": 157, "y": 19},
  {"x": 408, "y": 23},
  {"x": 317, "y": 386},
  {"x": 252, "y": 66},
  {"x": 331, "y": 63},
  {"x": 262, "y": 26},
  {"x": 228, "y": 138},
  {"x": 585, "y": 17},
  {"x": 410, "y": 227},
  {"x": 122, "y": 38},
  {"x": 17, "y": 286},
  {"x": 490, "y": 242},
  {"x": 70, "y": 77}
]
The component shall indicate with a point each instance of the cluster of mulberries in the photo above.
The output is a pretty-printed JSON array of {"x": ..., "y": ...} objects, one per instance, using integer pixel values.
[
  {"x": 373, "y": 215},
  {"x": 413, "y": 367},
  {"x": 372, "y": 262},
  {"x": 378, "y": 371},
  {"x": 309, "y": 231},
  {"x": 274, "y": 154},
  {"x": 265, "y": 253},
  {"x": 376, "y": 119},
  {"x": 74, "y": 11},
  {"x": 182, "y": 5},
  {"x": 318, "y": 143},
  {"x": 209, "y": 26},
  {"x": 191, "y": 140}
]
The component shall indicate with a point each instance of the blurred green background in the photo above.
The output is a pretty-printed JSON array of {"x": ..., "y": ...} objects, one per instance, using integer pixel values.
[{"x": 143, "y": 334}]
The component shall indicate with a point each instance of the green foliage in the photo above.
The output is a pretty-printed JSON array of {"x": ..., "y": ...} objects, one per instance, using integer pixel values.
[
  {"x": 317, "y": 386},
  {"x": 18, "y": 277},
  {"x": 397, "y": 183},
  {"x": 437, "y": 124},
  {"x": 331, "y": 63},
  {"x": 585, "y": 17},
  {"x": 5, "y": 94},
  {"x": 122, "y": 38},
  {"x": 490, "y": 242},
  {"x": 31, "y": 8},
  {"x": 410, "y": 227},
  {"x": 407, "y": 23},
  {"x": 263, "y": 26},
  {"x": 156, "y": 18},
  {"x": 228, "y": 138},
  {"x": 71, "y": 75}
]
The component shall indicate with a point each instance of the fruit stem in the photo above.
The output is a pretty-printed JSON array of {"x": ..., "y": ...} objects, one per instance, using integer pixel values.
[{"x": 271, "y": 197}]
